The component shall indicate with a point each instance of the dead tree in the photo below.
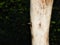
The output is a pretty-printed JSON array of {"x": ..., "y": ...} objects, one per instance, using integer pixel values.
[{"x": 40, "y": 13}]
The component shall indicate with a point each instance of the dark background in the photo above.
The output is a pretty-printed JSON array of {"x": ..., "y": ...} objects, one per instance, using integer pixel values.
[
  {"x": 15, "y": 19},
  {"x": 55, "y": 24}
]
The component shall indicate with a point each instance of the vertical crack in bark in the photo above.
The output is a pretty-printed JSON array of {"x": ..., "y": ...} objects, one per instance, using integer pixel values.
[
  {"x": 47, "y": 37},
  {"x": 46, "y": 2},
  {"x": 40, "y": 25}
]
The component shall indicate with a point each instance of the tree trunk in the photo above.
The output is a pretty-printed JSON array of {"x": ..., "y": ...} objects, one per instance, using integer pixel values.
[{"x": 40, "y": 13}]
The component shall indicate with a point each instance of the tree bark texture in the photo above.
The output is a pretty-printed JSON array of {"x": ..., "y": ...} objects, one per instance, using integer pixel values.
[{"x": 40, "y": 15}]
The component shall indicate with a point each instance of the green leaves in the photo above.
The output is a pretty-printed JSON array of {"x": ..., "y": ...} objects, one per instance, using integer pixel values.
[
  {"x": 53, "y": 22},
  {"x": 58, "y": 29},
  {"x": 1, "y": 4},
  {"x": 15, "y": 0}
]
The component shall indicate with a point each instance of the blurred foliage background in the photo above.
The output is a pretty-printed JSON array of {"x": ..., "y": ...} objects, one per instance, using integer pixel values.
[
  {"x": 55, "y": 24},
  {"x": 15, "y": 19}
]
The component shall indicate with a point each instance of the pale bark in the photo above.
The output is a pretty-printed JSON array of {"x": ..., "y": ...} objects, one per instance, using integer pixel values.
[{"x": 40, "y": 13}]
